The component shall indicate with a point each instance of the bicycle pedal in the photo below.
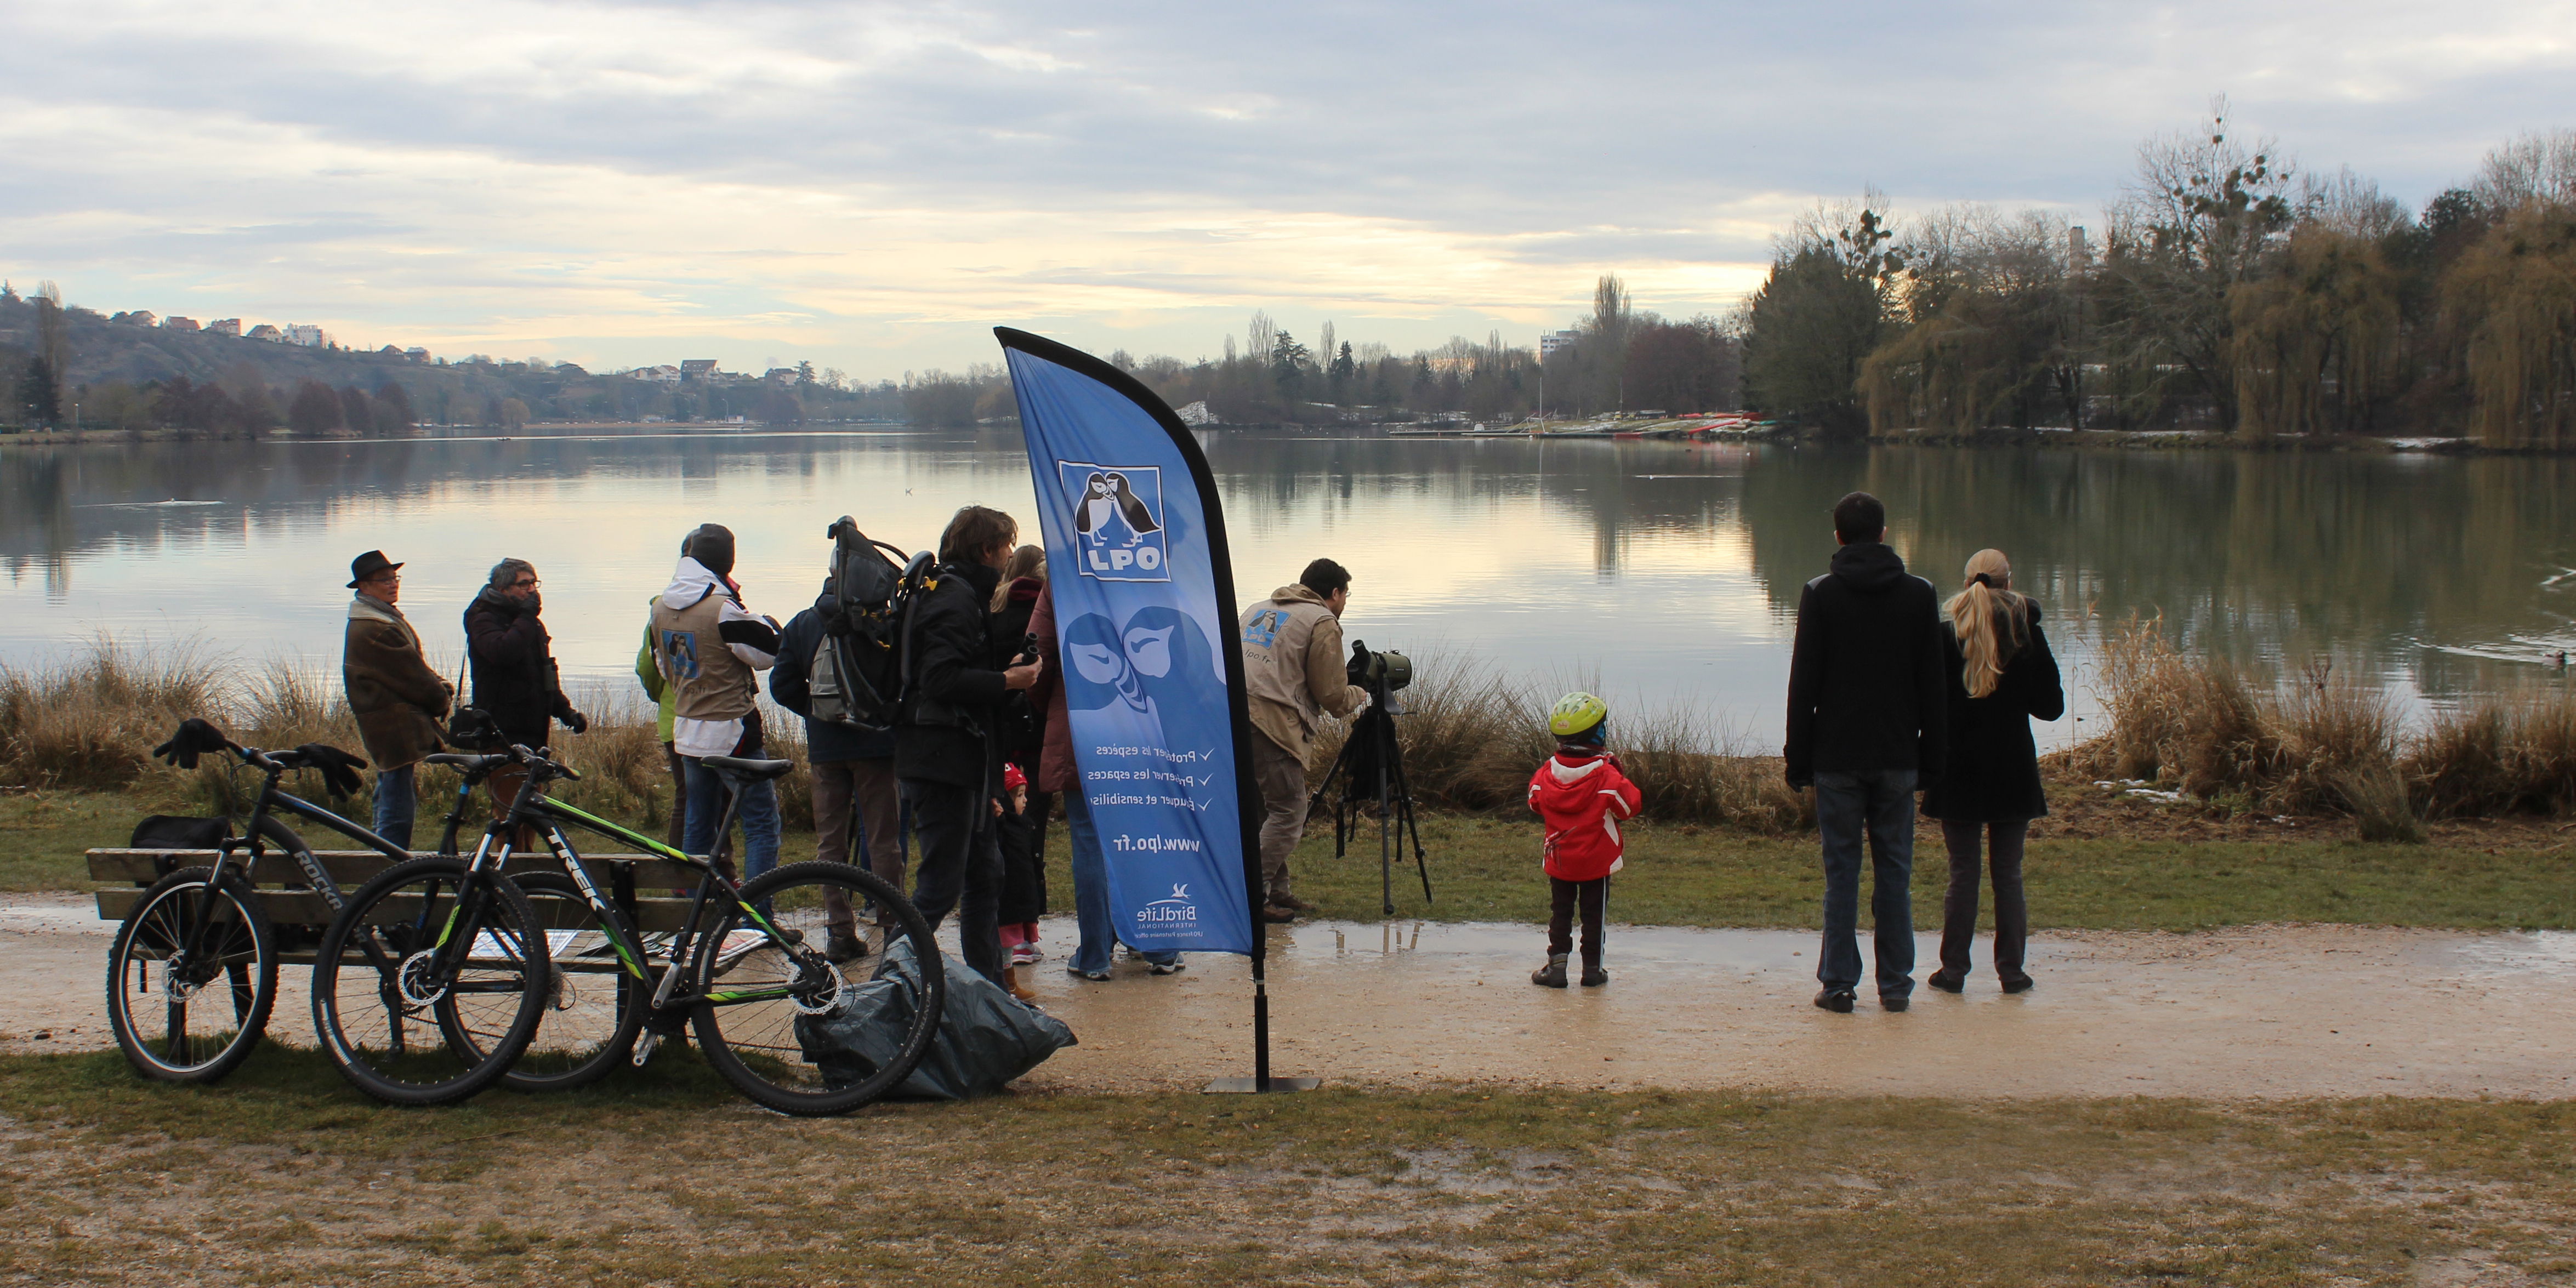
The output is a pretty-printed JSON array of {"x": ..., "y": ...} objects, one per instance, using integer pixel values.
[{"x": 644, "y": 1047}]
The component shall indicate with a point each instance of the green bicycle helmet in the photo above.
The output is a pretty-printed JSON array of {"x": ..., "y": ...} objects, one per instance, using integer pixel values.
[{"x": 1576, "y": 712}]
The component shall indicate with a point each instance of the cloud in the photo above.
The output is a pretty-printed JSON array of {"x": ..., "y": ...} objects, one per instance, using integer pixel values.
[{"x": 874, "y": 185}]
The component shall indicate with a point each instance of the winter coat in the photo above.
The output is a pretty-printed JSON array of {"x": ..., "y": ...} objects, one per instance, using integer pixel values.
[
  {"x": 1993, "y": 775},
  {"x": 1023, "y": 874},
  {"x": 1293, "y": 668},
  {"x": 1866, "y": 690},
  {"x": 791, "y": 686},
  {"x": 515, "y": 679},
  {"x": 397, "y": 699},
  {"x": 1023, "y": 735},
  {"x": 657, "y": 686},
  {"x": 953, "y": 690},
  {"x": 709, "y": 645},
  {"x": 1580, "y": 799},
  {"x": 1055, "y": 771}
]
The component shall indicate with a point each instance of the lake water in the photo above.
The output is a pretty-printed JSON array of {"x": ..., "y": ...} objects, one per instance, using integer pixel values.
[{"x": 1667, "y": 573}]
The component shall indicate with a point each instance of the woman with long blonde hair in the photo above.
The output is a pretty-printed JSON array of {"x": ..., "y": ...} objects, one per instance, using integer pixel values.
[{"x": 2002, "y": 675}]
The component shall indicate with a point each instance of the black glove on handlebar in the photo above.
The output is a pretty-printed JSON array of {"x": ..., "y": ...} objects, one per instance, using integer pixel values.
[
  {"x": 194, "y": 738},
  {"x": 339, "y": 768}
]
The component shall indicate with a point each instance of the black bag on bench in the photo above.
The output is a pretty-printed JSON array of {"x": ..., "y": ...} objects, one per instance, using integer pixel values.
[{"x": 174, "y": 832}]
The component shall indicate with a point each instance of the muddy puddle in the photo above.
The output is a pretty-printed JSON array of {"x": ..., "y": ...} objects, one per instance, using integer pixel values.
[{"x": 2250, "y": 1012}]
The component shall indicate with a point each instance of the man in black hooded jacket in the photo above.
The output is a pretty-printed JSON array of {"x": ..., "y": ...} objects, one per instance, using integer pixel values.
[
  {"x": 1868, "y": 705},
  {"x": 947, "y": 764}
]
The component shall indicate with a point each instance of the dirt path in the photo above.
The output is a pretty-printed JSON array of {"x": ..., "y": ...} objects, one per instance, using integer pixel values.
[{"x": 2254, "y": 1012}]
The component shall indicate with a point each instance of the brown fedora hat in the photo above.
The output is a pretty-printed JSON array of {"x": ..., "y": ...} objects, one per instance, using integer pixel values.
[{"x": 368, "y": 565}]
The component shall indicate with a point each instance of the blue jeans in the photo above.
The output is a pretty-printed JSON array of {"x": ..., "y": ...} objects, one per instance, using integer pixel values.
[
  {"x": 1880, "y": 803},
  {"x": 758, "y": 814},
  {"x": 1091, "y": 891},
  {"x": 396, "y": 803}
]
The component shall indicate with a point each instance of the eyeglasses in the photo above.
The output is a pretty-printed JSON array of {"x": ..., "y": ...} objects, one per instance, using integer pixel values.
[
  {"x": 389, "y": 578},
  {"x": 525, "y": 583}
]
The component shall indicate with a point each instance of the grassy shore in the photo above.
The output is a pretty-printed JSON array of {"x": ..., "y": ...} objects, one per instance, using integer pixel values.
[
  {"x": 1486, "y": 869},
  {"x": 284, "y": 1174}
]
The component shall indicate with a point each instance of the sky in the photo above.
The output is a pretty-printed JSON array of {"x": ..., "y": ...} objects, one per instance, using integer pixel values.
[{"x": 873, "y": 187}]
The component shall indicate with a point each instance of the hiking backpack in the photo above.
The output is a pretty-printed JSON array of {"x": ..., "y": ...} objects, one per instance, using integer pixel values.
[{"x": 857, "y": 676}]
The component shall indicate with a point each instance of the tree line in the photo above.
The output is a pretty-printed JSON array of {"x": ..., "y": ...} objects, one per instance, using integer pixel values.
[
  {"x": 2229, "y": 291},
  {"x": 1617, "y": 359}
]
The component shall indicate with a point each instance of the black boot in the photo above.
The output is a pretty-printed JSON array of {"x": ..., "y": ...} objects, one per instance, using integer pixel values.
[
  {"x": 1593, "y": 975},
  {"x": 1551, "y": 975}
]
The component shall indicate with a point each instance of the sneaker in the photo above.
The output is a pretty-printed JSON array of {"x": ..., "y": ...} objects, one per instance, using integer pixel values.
[
  {"x": 1095, "y": 976},
  {"x": 1595, "y": 977},
  {"x": 1173, "y": 967},
  {"x": 841, "y": 948},
  {"x": 1945, "y": 981},
  {"x": 1291, "y": 901},
  {"x": 1836, "y": 1000},
  {"x": 1023, "y": 955},
  {"x": 1276, "y": 915},
  {"x": 1551, "y": 975},
  {"x": 1894, "y": 1002}
]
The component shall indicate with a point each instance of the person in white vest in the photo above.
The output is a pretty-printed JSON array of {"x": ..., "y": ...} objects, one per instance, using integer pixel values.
[
  {"x": 1293, "y": 668},
  {"x": 709, "y": 646}
]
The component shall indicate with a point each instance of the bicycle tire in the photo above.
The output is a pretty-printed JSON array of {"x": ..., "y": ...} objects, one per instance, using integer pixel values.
[
  {"x": 241, "y": 942},
  {"x": 592, "y": 1016},
  {"x": 753, "y": 1045},
  {"x": 370, "y": 982}
]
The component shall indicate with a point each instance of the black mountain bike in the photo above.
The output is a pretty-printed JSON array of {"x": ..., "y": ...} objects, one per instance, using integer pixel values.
[
  {"x": 744, "y": 966},
  {"x": 172, "y": 1019}
]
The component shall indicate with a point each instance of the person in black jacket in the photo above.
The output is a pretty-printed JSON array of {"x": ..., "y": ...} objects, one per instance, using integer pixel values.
[
  {"x": 947, "y": 762},
  {"x": 2001, "y": 674},
  {"x": 1867, "y": 708},
  {"x": 853, "y": 776},
  {"x": 515, "y": 680}
]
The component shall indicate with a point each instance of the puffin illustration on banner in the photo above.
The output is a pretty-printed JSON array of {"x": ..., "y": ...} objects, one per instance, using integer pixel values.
[{"x": 1107, "y": 497}]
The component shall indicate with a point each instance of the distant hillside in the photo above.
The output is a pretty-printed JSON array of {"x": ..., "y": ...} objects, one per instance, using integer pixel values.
[{"x": 119, "y": 365}]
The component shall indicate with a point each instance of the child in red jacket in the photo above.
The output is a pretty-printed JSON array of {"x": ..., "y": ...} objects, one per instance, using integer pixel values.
[{"x": 1580, "y": 796}]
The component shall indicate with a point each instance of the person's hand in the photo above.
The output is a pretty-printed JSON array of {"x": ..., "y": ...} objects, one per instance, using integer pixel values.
[
  {"x": 532, "y": 605},
  {"x": 576, "y": 721},
  {"x": 1366, "y": 698},
  {"x": 1022, "y": 677}
]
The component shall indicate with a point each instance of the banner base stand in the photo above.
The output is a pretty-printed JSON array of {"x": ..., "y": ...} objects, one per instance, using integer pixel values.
[{"x": 1249, "y": 1086}]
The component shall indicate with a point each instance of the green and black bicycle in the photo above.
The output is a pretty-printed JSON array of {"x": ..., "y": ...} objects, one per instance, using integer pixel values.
[{"x": 737, "y": 967}]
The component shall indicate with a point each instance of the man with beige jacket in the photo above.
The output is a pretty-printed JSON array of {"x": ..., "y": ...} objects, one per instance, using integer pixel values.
[{"x": 1293, "y": 667}]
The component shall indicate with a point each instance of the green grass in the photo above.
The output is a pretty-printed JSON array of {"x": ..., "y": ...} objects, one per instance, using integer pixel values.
[
  {"x": 1486, "y": 869},
  {"x": 285, "y": 1175}
]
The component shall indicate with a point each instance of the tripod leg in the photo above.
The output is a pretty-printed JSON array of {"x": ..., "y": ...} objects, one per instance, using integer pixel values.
[
  {"x": 1404, "y": 799},
  {"x": 1386, "y": 834}
]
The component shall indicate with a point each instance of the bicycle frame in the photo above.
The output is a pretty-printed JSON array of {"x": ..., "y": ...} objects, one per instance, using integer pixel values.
[{"x": 254, "y": 834}]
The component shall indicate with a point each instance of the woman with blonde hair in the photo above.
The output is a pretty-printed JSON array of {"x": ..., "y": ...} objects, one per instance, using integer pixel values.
[{"x": 2001, "y": 676}]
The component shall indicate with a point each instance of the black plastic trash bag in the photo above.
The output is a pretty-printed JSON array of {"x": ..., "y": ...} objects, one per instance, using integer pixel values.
[{"x": 986, "y": 1037}]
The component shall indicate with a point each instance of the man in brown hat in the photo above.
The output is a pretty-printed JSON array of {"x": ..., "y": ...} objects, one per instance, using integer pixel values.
[{"x": 397, "y": 698}]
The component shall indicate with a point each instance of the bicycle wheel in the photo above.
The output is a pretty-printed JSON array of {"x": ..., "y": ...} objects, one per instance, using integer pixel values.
[
  {"x": 387, "y": 987},
  {"x": 756, "y": 990},
  {"x": 596, "y": 1004},
  {"x": 173, "y": 1019}
]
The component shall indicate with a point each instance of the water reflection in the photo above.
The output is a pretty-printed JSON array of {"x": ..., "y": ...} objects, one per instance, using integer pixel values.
[{"x": 1667, "y": 571}]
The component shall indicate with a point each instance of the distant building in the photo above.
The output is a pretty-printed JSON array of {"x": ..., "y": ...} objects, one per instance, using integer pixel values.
[
  {"x": 139, "y": 317},
  {"x": 569, "y": 370},
  {"x": 784, "y": 375},
  {"x": 389, "y": 352},
  {"x": 1554, "y": 340},
  {"x": 310, "y": 337},
  {"x": 175, "y": 323},
  {"x": 264, "y": 332},
  {"x": 2078, "y": 251},
  {"x": 697, "y": 368},
  {"x": 224, "y": 326},
  {"x": 666, "y": 374},
  {"x": 416, "y": 353}
]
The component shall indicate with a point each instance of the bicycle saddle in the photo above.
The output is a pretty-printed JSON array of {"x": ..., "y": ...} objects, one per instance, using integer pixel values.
[
  {"x": 755, "y": 770},
  {"x": 465, "y": 762}
]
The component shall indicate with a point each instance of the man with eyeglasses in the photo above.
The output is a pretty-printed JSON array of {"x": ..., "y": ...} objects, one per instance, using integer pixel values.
[
  {"x": 515, "y": 680},
  {"x": 396, "y": 697}
]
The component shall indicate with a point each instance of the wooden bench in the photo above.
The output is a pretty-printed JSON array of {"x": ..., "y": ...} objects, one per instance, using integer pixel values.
[{"x": 290, "y": 903}]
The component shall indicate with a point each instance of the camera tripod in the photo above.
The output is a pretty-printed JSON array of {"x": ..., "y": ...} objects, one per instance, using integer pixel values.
[{"x": 1371, "y": 767}]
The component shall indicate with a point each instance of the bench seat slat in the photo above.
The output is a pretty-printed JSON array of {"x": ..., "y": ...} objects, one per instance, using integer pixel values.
[
  {"x": 353, "y": 868},
  {"x": 304, "y": 908}
]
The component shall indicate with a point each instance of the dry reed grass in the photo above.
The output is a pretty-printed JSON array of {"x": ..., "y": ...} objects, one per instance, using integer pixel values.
[{"x": 2322, "y": 743}]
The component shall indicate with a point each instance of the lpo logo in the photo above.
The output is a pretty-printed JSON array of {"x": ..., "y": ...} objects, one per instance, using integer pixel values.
[{"x": 1117, "y": 521}]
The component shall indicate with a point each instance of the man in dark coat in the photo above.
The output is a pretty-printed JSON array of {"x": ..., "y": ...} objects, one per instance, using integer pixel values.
[
  {"x": 853, "y": 775},
  {"x": 946, "y": 760},
  {"x": 396, "y": 697},
  {"x": 1867, "y": 710},
  {"x": 515, "y": 680}
]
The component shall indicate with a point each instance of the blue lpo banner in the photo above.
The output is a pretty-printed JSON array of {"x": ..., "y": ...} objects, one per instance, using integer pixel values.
[{"x": 1137, "y": 565}]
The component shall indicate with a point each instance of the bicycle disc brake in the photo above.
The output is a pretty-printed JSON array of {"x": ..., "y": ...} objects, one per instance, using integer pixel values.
[{"x": 416, "y": 978}]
